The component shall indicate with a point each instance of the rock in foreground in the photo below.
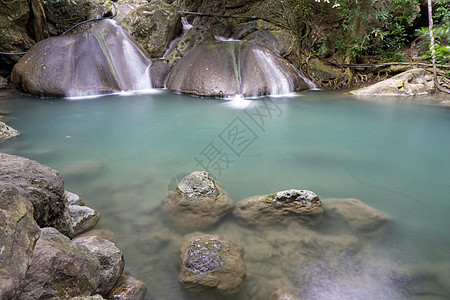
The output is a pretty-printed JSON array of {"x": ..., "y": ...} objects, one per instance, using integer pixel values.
[
  {"x": 281, "y": 207},
  {"x": 209, "y": 262},
  {"x": 198, "y": 202},
  {"x": 415, "y": 82}
]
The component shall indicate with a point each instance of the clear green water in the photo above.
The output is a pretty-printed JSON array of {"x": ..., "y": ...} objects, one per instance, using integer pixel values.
[{"x": 120, "y": 154}]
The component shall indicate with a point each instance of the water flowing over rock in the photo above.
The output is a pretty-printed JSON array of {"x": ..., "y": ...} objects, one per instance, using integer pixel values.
[
  {"x": 209, "y": 262},
  {"x": 281, "y": 207},
  {"x": 60, "y": 269},
  {"x": 18, "y": 235},
  {"x": 414, "y": 82},
  {"x": 198, "y": 202},
  {"x": 42, "y": 186},
  {"x": 234, "y": 68},
  {"x": 102, "y": 60}
]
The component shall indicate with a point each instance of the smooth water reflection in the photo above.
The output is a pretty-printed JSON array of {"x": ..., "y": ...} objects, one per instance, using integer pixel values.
[{"x": 121, "y": 153}]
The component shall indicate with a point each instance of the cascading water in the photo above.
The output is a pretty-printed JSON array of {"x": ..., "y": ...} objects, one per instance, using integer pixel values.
[{"x": 101, "y": 60}]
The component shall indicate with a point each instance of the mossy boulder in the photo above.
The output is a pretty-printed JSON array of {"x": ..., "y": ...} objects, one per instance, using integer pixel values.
[
  {"x": 210, "y": 262},
  {"x": 281, "y": 207},
  {"x": 154, "y": 26},
  {"x": 198, "y": 202}
]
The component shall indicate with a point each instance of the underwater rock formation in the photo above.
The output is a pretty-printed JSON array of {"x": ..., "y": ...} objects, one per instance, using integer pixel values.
[
  {"x": 234, "y": 68},
  {"x": 209, "y": 262},
  {"x": 198, "y": 202},
  {"x": 281, "y": 207},
  {"x": 101, "y": 60}
]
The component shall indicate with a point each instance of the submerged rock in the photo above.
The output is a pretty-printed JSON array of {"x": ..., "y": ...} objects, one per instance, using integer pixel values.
[
  {"x": 234, "y": 68},
  {"x": 42, "y": 186},
  {"x": 18, "y": 235},
  {"x": 355, "y": 215},
  {"x": 60, "y": 269},
  {"x": 280, "y": 207},
  {"x": 198, "y": 202},
  {"x": 283, "y": 295},
  {"x": 85, "y": 63},
  {"x": 7, "y": 132},
  {"x": 209, "y": 262},
  {"x": 110, "y": 258},
  {"x": 128, "y": 288},
  {"x": 414, "y": 82}
]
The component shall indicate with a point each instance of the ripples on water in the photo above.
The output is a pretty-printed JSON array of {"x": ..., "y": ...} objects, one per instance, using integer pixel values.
[{"x": 121, "y": 153}]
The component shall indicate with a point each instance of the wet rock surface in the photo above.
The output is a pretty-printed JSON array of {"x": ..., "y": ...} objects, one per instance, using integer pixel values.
[
  {"x": 281, "y": 207},
  {"x": 110, "y": 258},
  {"x": 42, "y": 186},
  {"x": 128, "y": 288},
  {"x": 414, "y": 82},
  {"x": 18, "y": 235},
  {"x": 198, "y": 202},
  {"x": 209, "y": 262},
  {"x": 234, "y": 68},
  {"x": 60, "y": 269}
]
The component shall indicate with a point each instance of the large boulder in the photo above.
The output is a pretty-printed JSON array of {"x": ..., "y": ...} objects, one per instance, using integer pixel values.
[
  {"x": 110, "y": 258},
  {"x": 234, "y": 68},
  {"x": 209, "y": 262},
  {"x": 281, "y": 207},
  {"x": 42, "y": 186},
  {"x": 85, "y": 63},
  {"x": 198, "y": 202},
  {"x": 413, "y": 82},
  {"x": 18, "y": 235},
  {"x": 154, "y": 26},
  {"x": 60, "y": 269}
]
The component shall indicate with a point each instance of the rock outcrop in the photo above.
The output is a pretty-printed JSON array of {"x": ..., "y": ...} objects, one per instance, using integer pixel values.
[
  {"x": 154, "y": 26},
  {"x": 42, "y": 186},
  {"x": 415, "y": 82},
  {"x": 209, "y": 262},
  {"x": 18, "y": 235},
  {"x": 60, "y": 269},
  {"x": 281, "y": 207},
  {"x": 234, "y": 68},
  {"x": 85, "y": 63},
  {"x": 198, "y": 202}
]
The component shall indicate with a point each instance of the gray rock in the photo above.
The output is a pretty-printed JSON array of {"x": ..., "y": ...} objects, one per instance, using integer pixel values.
[
  {"x": 198, "y": 202},
  {"x": 128, "y": 288},
  {"x": 356, "y": 216},
  {"x": 94, "y": 297},
  {"x": 281, "y": 207},
  {"x": 283, "y": 295},
  {"x": 18, "y": 235},
  {"x": 414, "y": 82},
  {"x": 231, "y": 68},
  {"x": 73, "y": 199},
  {"x": 110, "y": 258},
  {"x": 101, "y": 233},
  {"x": 60, "y": 269},
  {"x": 7, "y": 132},
  {"x": 197, "y": 35},
  {"x": 62, "y": 15},
  {"x": 83, "y": 218},
  {"x": 154, "y": 26},
  {"x": 159, "y": 70},
  {"x": 50, "y": 69},
  {"x": 40, "y": 185},
  {"x": 209, "y": 262}
]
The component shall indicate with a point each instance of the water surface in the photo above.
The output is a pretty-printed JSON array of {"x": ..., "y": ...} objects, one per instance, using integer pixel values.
[{"x": 121, "y": 154}]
